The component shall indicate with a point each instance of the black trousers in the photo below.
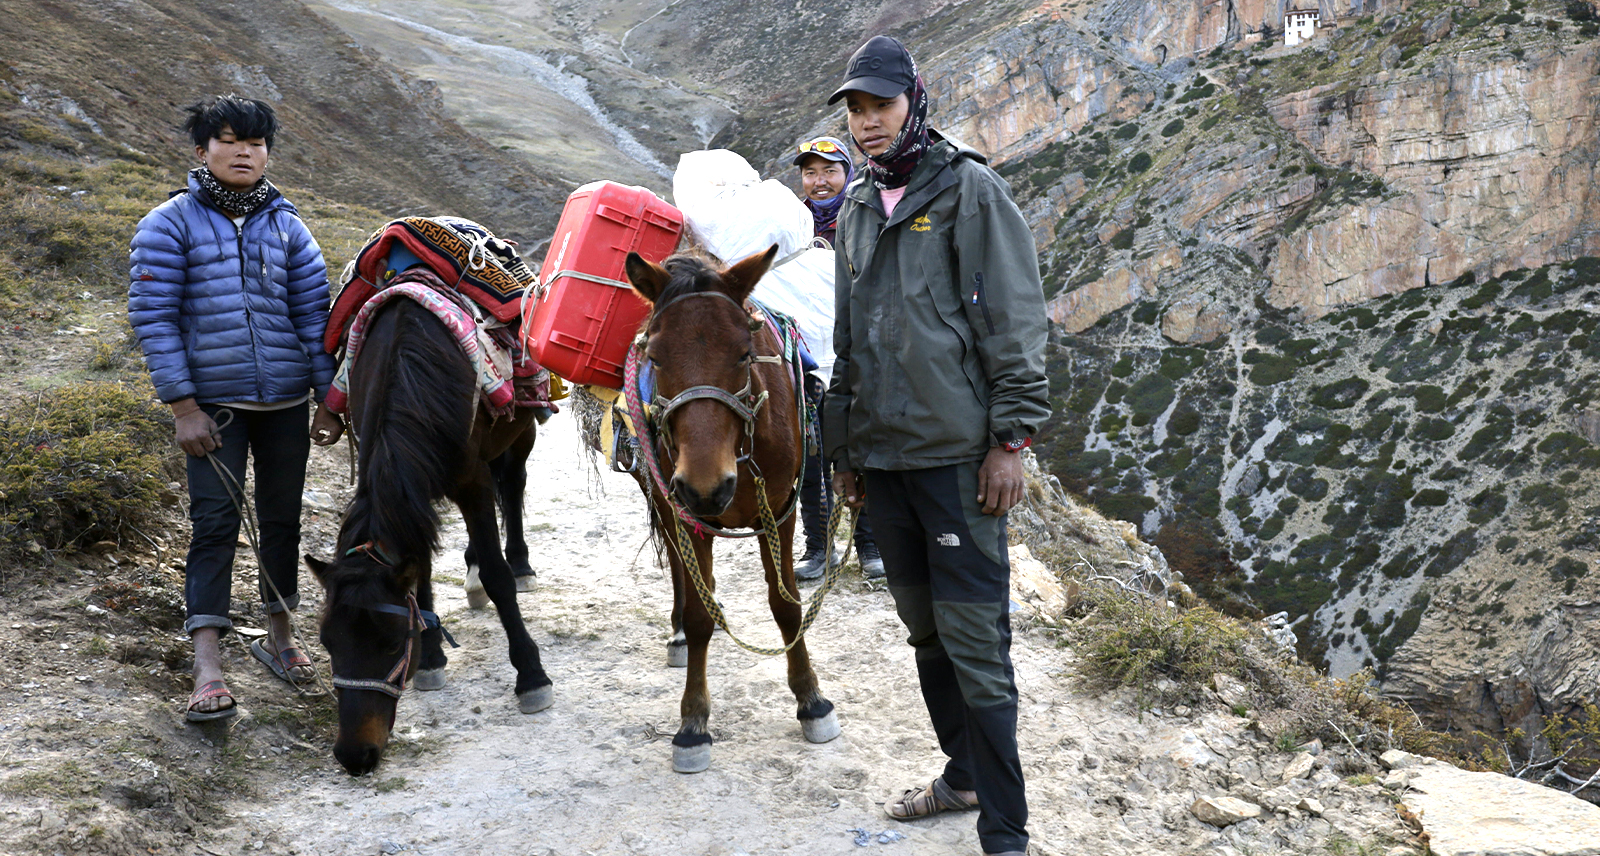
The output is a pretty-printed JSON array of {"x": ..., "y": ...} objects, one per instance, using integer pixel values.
[
  {"x": 280, "y": 443},
  {"x": 950, "y": 578}
]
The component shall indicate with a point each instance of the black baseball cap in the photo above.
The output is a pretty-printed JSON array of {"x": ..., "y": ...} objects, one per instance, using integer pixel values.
[{"x": 881, "y": 67}]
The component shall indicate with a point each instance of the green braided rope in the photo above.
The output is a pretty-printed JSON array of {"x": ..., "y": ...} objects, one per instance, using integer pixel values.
[
  {"x": 831, "y": 576},
  {"x": 769, "y": 527}
]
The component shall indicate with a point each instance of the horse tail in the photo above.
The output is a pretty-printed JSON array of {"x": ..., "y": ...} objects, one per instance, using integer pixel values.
[{"x": 420, "y": 430}]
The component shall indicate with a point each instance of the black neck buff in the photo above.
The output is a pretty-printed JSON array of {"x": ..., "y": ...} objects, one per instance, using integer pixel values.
[
  {"x": 239, "y": 204},
  {"x": 893, "y": 168}
]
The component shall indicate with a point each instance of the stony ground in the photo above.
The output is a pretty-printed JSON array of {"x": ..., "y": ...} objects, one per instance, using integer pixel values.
[{"x": 468, "y": 774}]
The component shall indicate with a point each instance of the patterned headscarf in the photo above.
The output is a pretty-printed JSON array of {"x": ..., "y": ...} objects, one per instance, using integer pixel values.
[
  {"x": 893, "y": 168},
  {"x": 241, "y": 204}
]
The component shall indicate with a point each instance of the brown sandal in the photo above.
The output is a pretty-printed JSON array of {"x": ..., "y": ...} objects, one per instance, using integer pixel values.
[
  {"x": 206, "y": 691},
  {"x": 928, "y": 801}
]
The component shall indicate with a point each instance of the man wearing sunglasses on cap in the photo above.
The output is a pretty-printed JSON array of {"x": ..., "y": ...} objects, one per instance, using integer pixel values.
[{"x": 825, "y": 169}]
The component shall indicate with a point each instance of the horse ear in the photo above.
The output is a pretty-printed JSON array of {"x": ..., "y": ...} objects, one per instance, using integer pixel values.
[
  {"x": 317, "y": 566},
  {"x": 648, "y": 278},
  {"x": 741, "y": 277}
]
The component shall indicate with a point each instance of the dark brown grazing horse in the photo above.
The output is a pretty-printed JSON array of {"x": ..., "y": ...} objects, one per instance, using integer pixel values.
[
  {"x": 705, "y": 349},
  {"x": 424, "y": 436}
]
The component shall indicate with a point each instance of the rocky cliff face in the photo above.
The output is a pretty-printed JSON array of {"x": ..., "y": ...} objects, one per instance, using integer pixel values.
[{"x": 1491, "y": 157}]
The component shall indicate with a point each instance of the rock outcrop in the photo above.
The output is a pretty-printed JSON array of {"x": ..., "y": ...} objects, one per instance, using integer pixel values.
[
  {"x": 1487, "y": 814},
  {"x": 1491, "y": 163}
]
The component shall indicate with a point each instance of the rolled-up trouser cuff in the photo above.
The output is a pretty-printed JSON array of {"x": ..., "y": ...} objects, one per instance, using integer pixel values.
[
  {"x": 195, "y": 622},
  {"x": 289, "y": 604}
]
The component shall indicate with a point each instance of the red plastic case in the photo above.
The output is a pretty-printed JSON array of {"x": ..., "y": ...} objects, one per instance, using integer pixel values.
[{"x": 578, "y": 328}]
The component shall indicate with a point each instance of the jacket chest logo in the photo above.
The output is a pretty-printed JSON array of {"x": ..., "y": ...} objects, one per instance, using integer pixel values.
[{"x": 921, "y": 224}]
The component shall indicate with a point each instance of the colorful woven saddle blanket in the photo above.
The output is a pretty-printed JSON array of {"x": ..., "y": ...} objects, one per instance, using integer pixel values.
[
  {"x": 507, "y": 378},
  {"x": 465, "y": 255}
]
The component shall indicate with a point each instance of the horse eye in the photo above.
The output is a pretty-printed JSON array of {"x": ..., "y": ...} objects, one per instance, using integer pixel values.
[{"x": 748, "y": 356}]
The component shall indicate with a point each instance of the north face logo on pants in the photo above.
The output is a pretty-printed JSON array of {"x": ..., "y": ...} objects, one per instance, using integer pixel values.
[{"x": 949, "y": 539}]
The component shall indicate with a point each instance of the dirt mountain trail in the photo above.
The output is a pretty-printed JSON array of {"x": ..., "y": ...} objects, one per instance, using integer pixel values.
[{"x": 468, "y": 774}]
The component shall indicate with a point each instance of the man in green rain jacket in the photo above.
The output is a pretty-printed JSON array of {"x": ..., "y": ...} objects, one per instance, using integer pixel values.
[{"x": 939, "y": 382}]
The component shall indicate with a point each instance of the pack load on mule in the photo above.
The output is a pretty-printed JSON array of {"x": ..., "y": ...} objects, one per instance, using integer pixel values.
[
  {"x": 733, "y": 214},
  {"x": 470, "y": 279},
  {"x": 422, "y": 321},
  {"x": 582, "y": 314}
]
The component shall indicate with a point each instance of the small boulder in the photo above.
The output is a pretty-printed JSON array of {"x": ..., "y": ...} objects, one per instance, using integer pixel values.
[
  {"x": 1310, "y": 806},
  {"x": 1394, "y": 759},
  {"x": 1223, "y": 811},
  {"x": 1299, "y": 767},
  {"x": 1437, "y": 28}
]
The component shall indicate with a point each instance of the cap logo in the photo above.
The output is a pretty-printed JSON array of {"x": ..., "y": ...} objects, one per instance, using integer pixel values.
[{"x": 865, "y": 63}]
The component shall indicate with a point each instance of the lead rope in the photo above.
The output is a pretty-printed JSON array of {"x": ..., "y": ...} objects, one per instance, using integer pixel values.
[
  {"x": 247, "y": 519},
  {"x": 813, "y": 607},
  {"x": 685, "y": 546}
]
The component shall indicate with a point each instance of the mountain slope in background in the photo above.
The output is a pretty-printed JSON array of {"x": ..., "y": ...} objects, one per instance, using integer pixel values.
[{"x": 354, "y": 127}]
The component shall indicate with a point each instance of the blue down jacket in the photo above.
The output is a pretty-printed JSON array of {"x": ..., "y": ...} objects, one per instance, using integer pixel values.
[{"x": 229, "y": 313}]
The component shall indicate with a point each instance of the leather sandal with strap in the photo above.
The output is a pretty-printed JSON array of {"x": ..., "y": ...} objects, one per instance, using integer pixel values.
[
  {"x": 205, "y": 692},
  {"x": 928, "y": 801}
]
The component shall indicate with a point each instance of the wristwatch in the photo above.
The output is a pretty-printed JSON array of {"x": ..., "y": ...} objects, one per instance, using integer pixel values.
[{"x": 1017, "y": 445}]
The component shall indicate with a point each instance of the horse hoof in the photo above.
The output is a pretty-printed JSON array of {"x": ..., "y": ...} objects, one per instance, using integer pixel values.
[
  {"x": 677, "y": 655},
  {"x": 525, "y": 582},
  {"x": 536, "y": 699},
  {"x": 691, "y": 759},
  {"x": 822, "y": 729},
  {"x": 429, "y": 679}
]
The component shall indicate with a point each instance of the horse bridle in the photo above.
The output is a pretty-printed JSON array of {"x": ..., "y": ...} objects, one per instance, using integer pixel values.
[
  {"x": 417, "y": 620},
  {"x": 653, "y": 420},
  {"x": 743, "y": 403}
]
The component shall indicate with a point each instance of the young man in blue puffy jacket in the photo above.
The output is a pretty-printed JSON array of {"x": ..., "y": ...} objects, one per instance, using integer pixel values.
[{"x": 228, "y": 295}]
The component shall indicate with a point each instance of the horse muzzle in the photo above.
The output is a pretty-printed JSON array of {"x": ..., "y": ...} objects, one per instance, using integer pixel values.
[
  {"x": 709, "y": 504},
  {"x": 358, "y": 758}
]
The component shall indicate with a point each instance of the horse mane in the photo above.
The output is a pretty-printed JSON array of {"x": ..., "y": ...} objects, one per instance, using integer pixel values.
[
  {"x": 690, "y": 273},
  {"x": 417, "y": 416}
]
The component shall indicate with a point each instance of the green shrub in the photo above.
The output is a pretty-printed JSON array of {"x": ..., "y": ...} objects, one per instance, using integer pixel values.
[
  {"x": 1430, "y": 398},
  {"x": 1269, "y": 369},
  {"x": 1340, "y": 394},
  {"x": 1432, "y": 497},
  {"x": 1492, "y": 435},
  {"x": 1083, "y": 464},
  {"x": 1179, "y": 363},
  {"x": 1125, "y": 506},
  {"x": 1452, "y": 553},
  {"x": 1139, "y": 163},
  {"x": 1123, "y": 239},
  {"x": 1432, "y": 429},
  {"x": 1185, "y": 420},
  {"x": 1127, "y": 131},
  {"x": 82, "y": 464},
  {"x": 1172, "y": 128},
  {"x": 1568, "y": 568},
  {"x": 1150, "y": 395}
]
